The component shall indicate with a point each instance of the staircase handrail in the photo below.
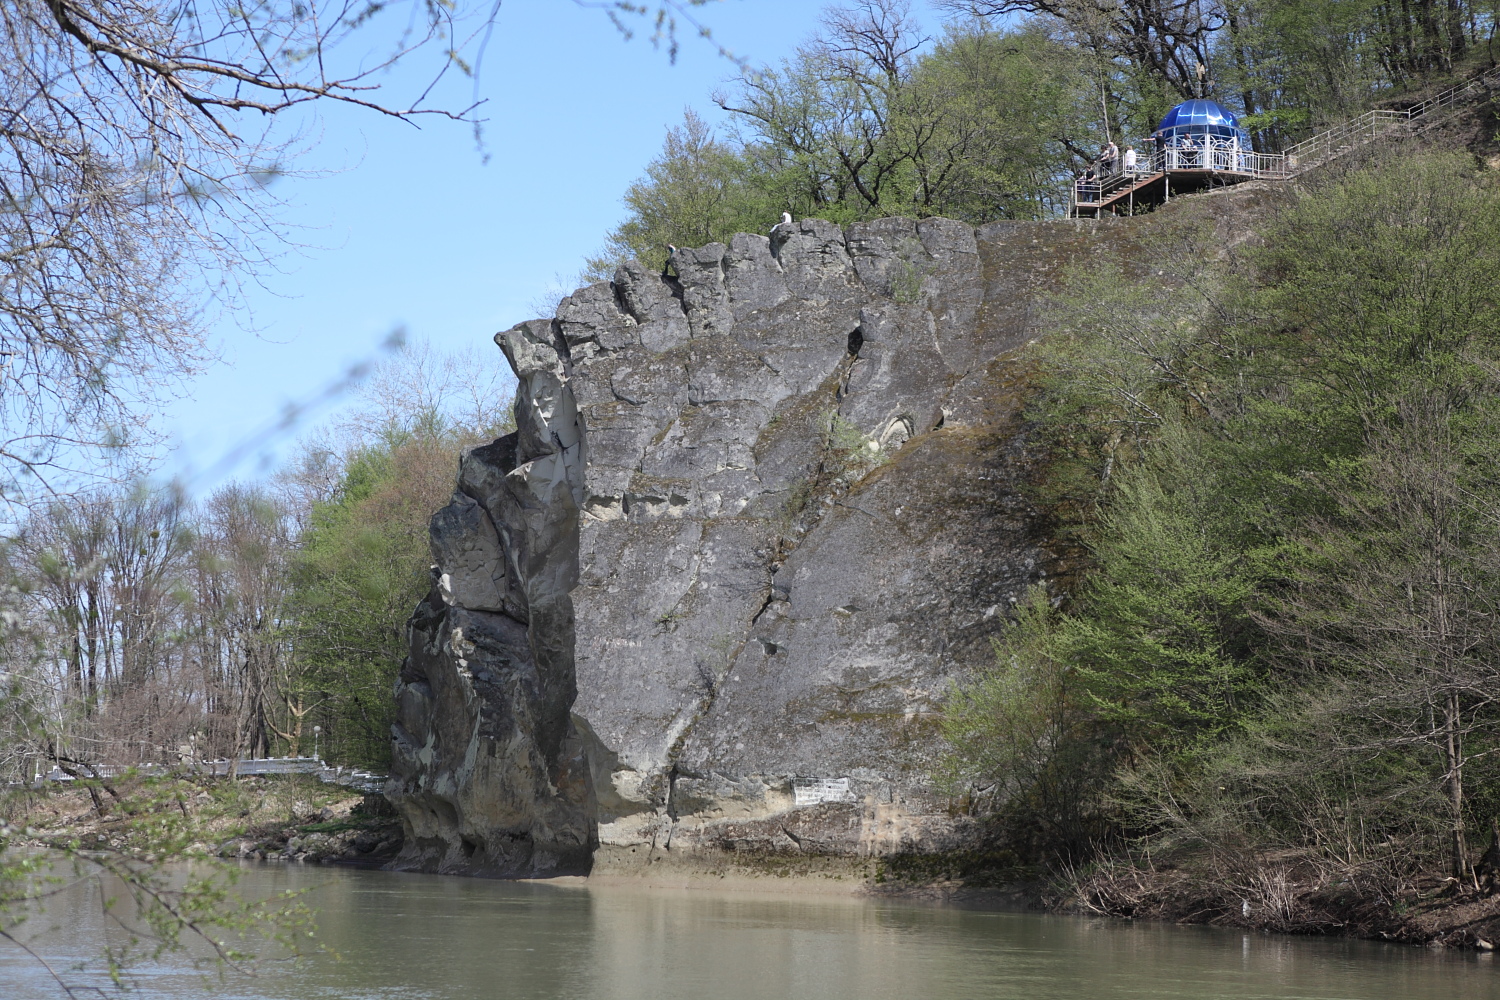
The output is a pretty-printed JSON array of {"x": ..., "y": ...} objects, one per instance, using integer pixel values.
[
  {"x": 1452, "y": 94},
  {"x": 1370, "y": 125},
  {"x": 1373, "y": 124}
]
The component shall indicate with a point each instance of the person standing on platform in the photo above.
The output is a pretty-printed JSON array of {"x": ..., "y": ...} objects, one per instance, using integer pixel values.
[
  {"x": 1187, "y": 153},
  {"x": 1130, "y": 160}
]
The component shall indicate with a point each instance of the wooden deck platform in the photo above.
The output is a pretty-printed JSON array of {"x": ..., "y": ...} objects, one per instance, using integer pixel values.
[{"x": 1124, "y": 193}]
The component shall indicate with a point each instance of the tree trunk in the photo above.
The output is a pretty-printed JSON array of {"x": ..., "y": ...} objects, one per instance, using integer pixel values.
[
  {"x": 91, "y": 638},
  {"x": 1247, "y": 95},
  {"x": 1453, "y": 747}
]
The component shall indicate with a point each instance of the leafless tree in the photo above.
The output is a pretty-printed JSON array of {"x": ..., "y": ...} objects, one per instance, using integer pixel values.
[
  {"x": 1402, "y": 595},
  {"x": 1170, "y": 39},
  {"x": 137, "y": 138},
  {"x": 879, "y": 35},
  {"x": 243, "y": 560},
  {"x": 151, "y": 623},
  {"x": 831, "y": 106},
  {"x": 467, "y": 388},
  {"x": 98, "y": 586}
]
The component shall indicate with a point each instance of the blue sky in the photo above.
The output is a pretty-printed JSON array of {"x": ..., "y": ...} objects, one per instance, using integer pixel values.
[{"x": 411, "y": 228}]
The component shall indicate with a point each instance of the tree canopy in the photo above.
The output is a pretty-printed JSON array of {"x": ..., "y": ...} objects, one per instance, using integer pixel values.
[{"x": 991, "y": 117}]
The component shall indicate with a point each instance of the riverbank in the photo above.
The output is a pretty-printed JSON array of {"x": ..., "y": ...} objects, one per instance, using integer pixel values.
[
  {"x": 1269, "y": 893},
  {"x": 283, "y": 818},
  {"x": 300, "y": 820},
  {"x": 1282, "y": 893},
  {"x": 1289, "y": 895}
]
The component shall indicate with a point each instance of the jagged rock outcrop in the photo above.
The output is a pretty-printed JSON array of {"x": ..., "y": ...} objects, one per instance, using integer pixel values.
[
  {"x": 488, "y": 771},
  {"x": 802, "y": 520},
  {"x": 790, "y": 484}
]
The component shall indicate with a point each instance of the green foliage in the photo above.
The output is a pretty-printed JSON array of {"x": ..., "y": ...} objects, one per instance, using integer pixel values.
[
  {"x": 698, "y": 191},
  {"x": 907, "y": 272},
  {"x": 990, "y": 124},
  {"x": 1025, "y": 730},
  {"x": 1288, "y": 67},
  {"x": 361, "y": 567},
  {"x": 136, "y": 626},
  {"x": 870, "y": 118},
  {"x": 1300, "y": 64},
  {"x": 978, "y": 128},
  {"x": 906, "y": 282},
  {"x": 1288, "y": 487},
  {"x": 848, "y": 452},
  {"x": 1160, "y": 646}
]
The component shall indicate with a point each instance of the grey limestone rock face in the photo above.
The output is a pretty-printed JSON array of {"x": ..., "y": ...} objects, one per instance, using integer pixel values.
[
  {"x": 760, "y": 516},
  {"x": 488, "y": 771}
]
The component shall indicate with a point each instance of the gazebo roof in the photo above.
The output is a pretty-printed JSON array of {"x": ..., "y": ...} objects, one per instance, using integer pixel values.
[{"x": 1199, "y": 115}]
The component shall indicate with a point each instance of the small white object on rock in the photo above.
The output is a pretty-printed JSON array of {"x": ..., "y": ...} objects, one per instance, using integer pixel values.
[{"x": 813, "y": 791}]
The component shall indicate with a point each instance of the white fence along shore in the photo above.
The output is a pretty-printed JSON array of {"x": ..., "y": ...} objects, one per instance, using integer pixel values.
[{"x": 364, "y": 781}]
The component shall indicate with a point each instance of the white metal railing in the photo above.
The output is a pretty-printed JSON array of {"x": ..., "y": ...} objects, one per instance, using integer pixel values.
[
  {"x": 1374, "y": 124},
  {"x": 1224, "y": 156},
  {"x": 1211, "y": 153},
  {"x": 1227, "y": 156},
  {"x": 351, "y": 777},
  {"x": 1342, "y": 138},
  {"x": 1452, "y": 94}
]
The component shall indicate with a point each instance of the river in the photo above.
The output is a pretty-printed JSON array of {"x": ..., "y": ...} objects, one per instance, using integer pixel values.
[{"x": 416, "y": 937}]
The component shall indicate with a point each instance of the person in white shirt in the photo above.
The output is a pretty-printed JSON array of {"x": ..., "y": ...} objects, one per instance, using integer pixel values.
[{"x": 1130, "y": 159}]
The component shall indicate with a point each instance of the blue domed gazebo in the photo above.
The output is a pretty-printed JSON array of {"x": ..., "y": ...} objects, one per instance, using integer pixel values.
[
  {"x": 1199, "y": 144},
  {"x": 1202, "y": 117}
]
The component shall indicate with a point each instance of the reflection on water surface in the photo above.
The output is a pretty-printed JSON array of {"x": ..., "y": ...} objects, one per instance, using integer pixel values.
[{"x": 405, "y": 937}]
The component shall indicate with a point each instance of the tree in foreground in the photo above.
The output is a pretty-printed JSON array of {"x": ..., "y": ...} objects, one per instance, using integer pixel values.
[{"x": 139, "y": 142}]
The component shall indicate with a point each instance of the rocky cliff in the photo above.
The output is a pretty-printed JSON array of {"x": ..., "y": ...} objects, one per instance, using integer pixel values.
[
  {"x": 488, "y": 770},
  {"x": 758, "y": 516}
]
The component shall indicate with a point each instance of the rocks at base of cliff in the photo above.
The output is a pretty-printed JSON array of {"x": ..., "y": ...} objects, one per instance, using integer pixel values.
[{"x": 714, "y": 817}]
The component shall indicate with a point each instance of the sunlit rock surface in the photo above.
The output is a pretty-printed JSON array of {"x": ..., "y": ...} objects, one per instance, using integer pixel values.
[{"x": 760, "y": 516}]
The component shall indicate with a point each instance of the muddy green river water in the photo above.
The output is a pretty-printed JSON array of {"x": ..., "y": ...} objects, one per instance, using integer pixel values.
[{"x": 413, "y": 937}]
